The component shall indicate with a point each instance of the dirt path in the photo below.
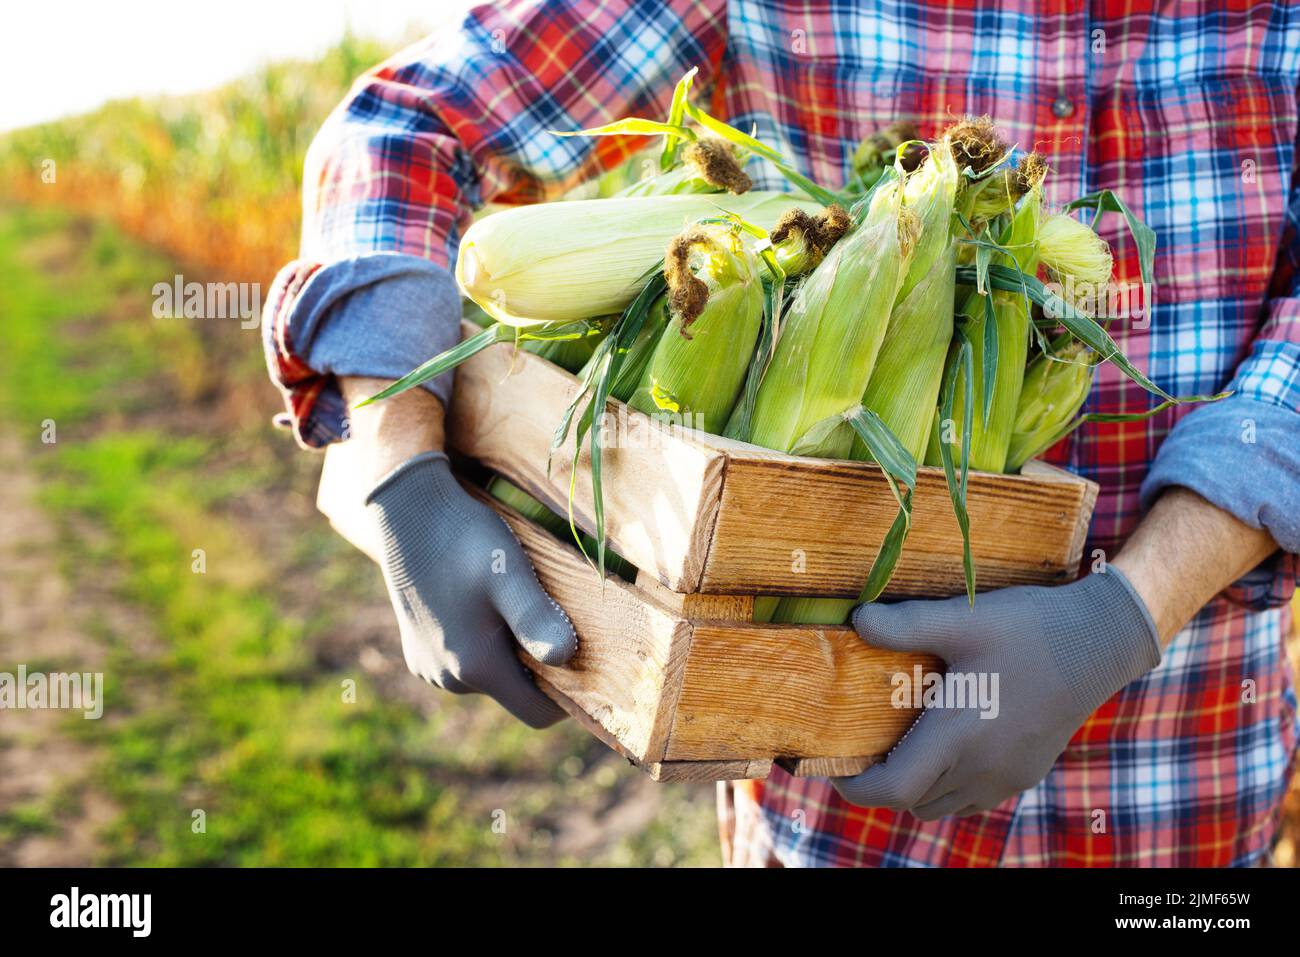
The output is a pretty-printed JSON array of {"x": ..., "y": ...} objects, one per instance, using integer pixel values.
[{"x": 43, "y": 769}]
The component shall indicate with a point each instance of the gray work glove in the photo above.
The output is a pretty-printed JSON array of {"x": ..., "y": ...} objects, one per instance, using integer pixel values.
[
  {"x": 1058, "y": 654},
  {"x": 464, "y": 592}
]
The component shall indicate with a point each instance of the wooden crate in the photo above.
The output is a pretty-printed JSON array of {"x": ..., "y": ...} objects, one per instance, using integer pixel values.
[{"x": 671, "y": 670}]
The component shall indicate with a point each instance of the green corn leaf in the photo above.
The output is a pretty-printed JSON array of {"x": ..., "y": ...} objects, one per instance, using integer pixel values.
[
  {"x": 599, "y": 357},
  {"x": 1144, "y": 237},
  {"x": 1135, "y": 416},
  {"x": 740, "y": 423},
  {"x": 885, "y": 447},
  {"x": 606, "y": 372},
  {"x": 990, "y": 363},
  {"x": 468, "y": 348},
  {"x": 960, "y": 358},
  {"x": 735, "y": 136},
  {"x": 1082, "y": 327},
  {"x": 898, "y": 466},
  {"x": 676, "y": 113},
  {"x": 983, "y": 258},
  {"x": 882, "y": 569},
  {"x": 633, "y": 126},
  {"x": 440, "y": 363}
]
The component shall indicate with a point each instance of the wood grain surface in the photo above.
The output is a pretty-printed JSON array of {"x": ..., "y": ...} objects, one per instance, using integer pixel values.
[{"x": 704, "y": 514}]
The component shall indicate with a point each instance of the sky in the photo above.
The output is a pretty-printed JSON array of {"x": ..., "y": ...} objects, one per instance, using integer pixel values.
[{"x": 59, "y": 57}]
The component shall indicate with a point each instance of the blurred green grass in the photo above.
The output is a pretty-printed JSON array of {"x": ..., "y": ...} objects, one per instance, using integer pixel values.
[{"x": 229, "y": 696}]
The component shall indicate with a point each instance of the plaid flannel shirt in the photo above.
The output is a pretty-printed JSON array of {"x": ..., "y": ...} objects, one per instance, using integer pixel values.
[{"x": 1189, "y": 111}]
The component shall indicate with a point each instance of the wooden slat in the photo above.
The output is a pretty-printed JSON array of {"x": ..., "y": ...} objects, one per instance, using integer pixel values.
[
  {"x": 701, "y": 513},
  {"x": 787, "y": 691},
  {"x": 665, "y": 771},
  {"x": 826, "y": 767},
  {"x": 703, "y": 771},
  {"x": 697, "y": 607},
  {"x": 661, "y": 485}
]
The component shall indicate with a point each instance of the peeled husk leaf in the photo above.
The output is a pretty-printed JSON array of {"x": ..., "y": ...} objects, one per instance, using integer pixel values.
[{"x": 1071, "y": 249}]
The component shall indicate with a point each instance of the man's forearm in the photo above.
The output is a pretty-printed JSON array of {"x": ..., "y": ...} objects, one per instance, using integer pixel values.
[
  {"x": 1184, "y": 553},
  {"x": 389, "y": 433}
]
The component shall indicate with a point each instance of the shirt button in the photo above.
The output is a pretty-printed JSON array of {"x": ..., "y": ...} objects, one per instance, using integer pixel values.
[{"x": 1062, "y": 107}]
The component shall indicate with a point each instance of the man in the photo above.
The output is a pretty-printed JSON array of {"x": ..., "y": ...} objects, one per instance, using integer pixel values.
[{"x": 1147, "y": 714}]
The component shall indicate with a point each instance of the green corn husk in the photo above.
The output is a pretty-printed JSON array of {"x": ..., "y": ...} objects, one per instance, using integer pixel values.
[
  {"x": 904, "y": 385},
  {"x": 538, "y": 513},
  {"x": 991, "y": 433},
  {"x": 833, "y": 330},
  {"x": 699, "y": 365},
  {"x": 876, "y": 153},
  {"x": 765, "y": 608},
  {"x": 557, "y": 262},
  {"x": 679, "y": 181},
  {"x": 903, "y": 391},
  {"x": 1055, "y": 388}
]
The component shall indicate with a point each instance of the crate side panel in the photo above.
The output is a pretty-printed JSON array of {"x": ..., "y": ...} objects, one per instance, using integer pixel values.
[
  {"x": 787, "y": 527},
  {"x": 788, "y": 691}
]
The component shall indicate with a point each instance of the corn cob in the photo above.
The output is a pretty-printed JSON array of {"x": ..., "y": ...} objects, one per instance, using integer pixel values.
[
  {"x": 716, "y": 306},
  {"x": 904, "y": 385},
  {"x": 833, "y": 330},
  {"x": 1055, "y": 388},
  {"x": 991, "y": 434},
  {"x": 827, "y": 353},
  {"x": 557, "y": 262}
]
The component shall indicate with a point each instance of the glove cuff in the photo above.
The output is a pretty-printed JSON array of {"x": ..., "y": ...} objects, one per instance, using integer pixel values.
[
  {"x": 1126, "y": 647},
  {"x": 418, "y": 463}
]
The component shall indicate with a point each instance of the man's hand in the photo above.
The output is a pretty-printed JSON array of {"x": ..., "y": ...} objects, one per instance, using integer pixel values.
[
  {"x": 464, "y": 592},
  {"x": 1058, "y": 653}
]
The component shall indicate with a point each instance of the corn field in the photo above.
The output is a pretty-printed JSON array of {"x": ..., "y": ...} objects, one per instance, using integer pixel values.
[{"x": 214, "y": 179}]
